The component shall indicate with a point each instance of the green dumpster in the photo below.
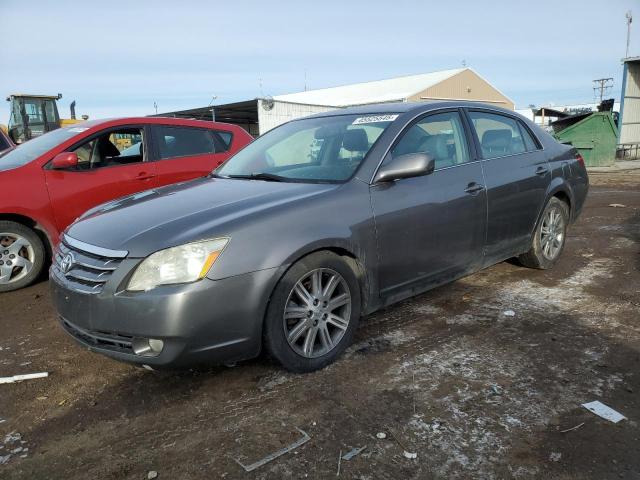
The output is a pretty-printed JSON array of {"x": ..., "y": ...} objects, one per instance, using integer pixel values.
[{"x": 594, "y": 135}]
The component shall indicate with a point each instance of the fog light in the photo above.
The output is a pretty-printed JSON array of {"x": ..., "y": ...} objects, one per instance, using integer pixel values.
[{"x": 147, "y": 347}]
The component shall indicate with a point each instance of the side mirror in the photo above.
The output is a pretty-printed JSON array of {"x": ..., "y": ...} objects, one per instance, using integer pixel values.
[
  {"x": 64, "y": 161},
  {"x": 406, "y": 166}
]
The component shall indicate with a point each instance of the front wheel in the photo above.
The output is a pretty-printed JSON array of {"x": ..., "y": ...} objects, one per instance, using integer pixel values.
[
  {"x": 549, "y": 238},
  {"x": 22, "y": 256},
  {"x": 313, "y": 313}
]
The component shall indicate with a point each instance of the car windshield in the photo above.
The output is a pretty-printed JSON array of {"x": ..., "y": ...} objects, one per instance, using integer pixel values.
[
  {"x": 323, "y": 149},
  {"x": 28, "y": 151}
]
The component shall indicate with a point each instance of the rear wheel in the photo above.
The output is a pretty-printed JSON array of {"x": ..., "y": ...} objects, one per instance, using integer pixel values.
[
  {"x": 549, "y": 237},
  {"x": 313, "y": 313},
  {"x": 22, "y": 256}
]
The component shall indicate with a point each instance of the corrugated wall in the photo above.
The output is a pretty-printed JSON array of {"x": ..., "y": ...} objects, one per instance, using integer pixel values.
[
  {"x": 282, "y": 112},
  {"x": 466, "y": 85},
  {"x": 630, "y": 127}
]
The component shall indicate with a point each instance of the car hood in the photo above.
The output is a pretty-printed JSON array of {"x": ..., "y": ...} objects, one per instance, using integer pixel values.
[{"x": 161, "y": 218}]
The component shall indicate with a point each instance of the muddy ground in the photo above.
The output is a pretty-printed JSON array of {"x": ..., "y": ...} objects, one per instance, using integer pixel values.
[{"x": 474, "y": 392}]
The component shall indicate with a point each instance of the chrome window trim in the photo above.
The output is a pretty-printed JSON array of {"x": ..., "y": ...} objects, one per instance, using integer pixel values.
[
  {"x": 471, "y": 162},
  {"x": 506, "y": 156},
  {"x": 93, "y": 249}
]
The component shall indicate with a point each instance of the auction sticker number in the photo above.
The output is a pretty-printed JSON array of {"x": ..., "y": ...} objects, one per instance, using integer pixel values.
[{"x": 374, "y": 119}]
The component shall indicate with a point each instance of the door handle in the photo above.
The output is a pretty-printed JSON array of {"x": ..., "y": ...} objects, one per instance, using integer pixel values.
[
  {"x": 144, "y": 176},
  {"x": 473, "y": 188},
  {"x": 542, "y": 171}
]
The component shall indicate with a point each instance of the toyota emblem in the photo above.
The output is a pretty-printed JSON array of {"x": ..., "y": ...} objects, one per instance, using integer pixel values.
[{"x": 67, "y": 262}]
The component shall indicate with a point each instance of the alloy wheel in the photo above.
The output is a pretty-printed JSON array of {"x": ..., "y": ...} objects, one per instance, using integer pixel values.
[
  {"x": 16, "y": 257},
  {"x": 317, "y": 313},
  {"x": 552, "y": 233}
]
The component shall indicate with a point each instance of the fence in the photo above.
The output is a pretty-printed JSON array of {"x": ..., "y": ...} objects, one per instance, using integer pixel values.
[{"x": 628, "y": 151}]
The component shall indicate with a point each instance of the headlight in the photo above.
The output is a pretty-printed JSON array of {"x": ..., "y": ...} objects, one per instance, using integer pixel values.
[{"x": 183, "y": 264}]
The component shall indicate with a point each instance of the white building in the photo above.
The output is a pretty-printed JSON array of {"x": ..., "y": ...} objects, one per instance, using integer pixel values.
[
  {"x": 630, "y": 115},
  {"x": 261, "y": 115}
]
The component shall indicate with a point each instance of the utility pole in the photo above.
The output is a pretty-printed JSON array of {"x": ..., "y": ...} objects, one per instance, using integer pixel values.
[
  {"x": 155, "y": 105},
  {"x": 601, "y": 87},
  {"x": 629, "y": 18},
  {"x": 213, "y": 109}
]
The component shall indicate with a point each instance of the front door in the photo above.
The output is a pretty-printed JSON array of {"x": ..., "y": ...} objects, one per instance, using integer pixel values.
[
  {"x": 431, "y": 229},
  {"x": 111, "y": 164}
]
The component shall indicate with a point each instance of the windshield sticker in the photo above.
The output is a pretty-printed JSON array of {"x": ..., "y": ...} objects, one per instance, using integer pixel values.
[
  {"x": 78, "y": 129},
  {"x": 375, "y": 119}
]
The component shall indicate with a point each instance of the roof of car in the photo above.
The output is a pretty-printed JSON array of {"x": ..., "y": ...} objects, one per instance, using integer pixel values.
[{"x": 402, "y": 107}]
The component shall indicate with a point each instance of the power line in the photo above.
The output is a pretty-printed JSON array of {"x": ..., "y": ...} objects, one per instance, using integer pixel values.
[
  {"x": 629, "y": 18},
  {"x": 602, "y": 86}
]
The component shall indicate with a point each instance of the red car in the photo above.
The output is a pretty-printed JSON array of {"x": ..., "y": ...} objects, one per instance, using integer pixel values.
[{"x": 46, "y": 183}]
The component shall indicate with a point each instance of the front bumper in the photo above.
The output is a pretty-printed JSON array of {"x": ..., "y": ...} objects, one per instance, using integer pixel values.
[{"x": 203, "y": 322}]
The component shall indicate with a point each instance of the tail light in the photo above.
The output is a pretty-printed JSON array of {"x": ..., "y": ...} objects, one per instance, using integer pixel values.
[{"x": 580, "y": 159}]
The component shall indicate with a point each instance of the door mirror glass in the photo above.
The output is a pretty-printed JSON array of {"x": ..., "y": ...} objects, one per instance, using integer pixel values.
[
  {"x": 65, "y": 160},
  {"x": 406, "y": 166}
]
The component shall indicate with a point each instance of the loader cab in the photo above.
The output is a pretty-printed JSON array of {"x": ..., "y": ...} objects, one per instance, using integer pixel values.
[{"x": 32, "y": 116}]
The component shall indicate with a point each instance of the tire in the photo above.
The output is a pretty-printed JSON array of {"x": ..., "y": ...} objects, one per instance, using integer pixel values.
[
  {"x": 22, "y": 256},
  {"x": 326, "y": 311},
  {"x": 549, "y": 237}
]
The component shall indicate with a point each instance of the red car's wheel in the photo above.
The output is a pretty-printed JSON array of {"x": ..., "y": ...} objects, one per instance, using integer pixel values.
[{"x": 22, "y": 256}]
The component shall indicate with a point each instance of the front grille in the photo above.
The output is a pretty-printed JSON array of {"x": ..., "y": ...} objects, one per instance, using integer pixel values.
[
  {"x": 105, "y": 340},
  {"x": 87, "y": 272}
]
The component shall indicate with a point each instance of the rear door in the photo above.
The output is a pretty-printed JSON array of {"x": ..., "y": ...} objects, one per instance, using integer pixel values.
[
  {"x": 184, "y": 153},
  {"x": 111, "y": 164},
  {"x": 431, "y": 229},
  {"x": 517, "y": 176}
]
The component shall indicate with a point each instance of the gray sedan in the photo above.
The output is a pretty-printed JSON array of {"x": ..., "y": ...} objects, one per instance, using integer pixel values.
[{"x": 316, "y": 223}]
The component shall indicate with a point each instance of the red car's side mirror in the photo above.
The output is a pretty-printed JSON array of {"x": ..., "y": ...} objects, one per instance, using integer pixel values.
[{"x": 65, "y": 160}]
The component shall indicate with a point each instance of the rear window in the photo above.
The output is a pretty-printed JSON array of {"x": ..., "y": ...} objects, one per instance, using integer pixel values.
[
  {"x": 499, "y": 135},
  {"x": 529, "y": 143},
  {"x": 175, "y": 142},
  {"x": 225, "y": 139}
]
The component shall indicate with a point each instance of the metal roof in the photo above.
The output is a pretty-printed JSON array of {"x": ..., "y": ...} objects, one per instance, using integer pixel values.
[
  {"x": 379, "y": 91},
  {"x": 550, "y": 112},
  {"x": 28, "y": 95},
  {"x": 243, "y": 112}
]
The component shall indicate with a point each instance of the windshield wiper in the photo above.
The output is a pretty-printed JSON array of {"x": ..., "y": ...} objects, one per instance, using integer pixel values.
[{"x": 269, "y": 177}]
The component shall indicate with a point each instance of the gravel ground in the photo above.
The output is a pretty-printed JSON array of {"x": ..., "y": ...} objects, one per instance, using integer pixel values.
[{"x": 475, "y": 392}]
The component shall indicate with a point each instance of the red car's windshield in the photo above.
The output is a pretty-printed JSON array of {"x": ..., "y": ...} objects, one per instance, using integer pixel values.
[{"x": 26, "y": 152}]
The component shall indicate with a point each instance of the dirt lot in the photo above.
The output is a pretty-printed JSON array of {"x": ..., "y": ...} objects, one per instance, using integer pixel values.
[{"x": 474, "y": 392}]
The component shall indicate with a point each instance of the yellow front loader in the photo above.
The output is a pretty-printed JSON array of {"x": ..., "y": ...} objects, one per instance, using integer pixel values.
[{"x": 34, "y": 115}]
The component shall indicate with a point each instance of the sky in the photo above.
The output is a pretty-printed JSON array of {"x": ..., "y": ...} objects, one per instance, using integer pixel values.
[{"x": 118, "y": 58}]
